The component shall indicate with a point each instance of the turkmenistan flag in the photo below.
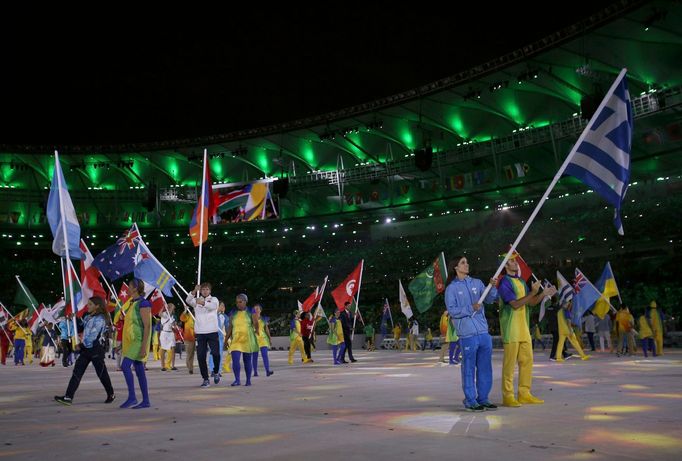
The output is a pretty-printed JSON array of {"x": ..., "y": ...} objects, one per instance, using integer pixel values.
[
  {"x": 429, "y": 283},
  {"x": 24, "y": 297}
]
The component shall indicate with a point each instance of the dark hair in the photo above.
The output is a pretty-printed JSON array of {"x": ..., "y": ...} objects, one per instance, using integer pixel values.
[
  {"x": 138, "y": 285},
  {"x": 101, "y": 309},
  {"x": 452, "y": 271},
  {"x": 206, "y": 285},
  {"x": 346, "y": 303}
]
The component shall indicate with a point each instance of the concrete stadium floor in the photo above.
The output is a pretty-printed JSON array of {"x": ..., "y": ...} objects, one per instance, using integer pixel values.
[{"x": 388, "y": 405}]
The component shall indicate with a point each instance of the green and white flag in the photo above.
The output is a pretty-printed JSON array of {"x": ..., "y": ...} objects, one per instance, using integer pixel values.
[
  {"x": 24, "y": 297},
  {"x": 429, "y": 283}
]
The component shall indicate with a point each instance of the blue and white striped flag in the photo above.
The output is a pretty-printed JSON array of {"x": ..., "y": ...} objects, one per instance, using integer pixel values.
[
  {"x": 602, "y": 156},
  {"x": 60, "y": 212},
  {"x": 565, "y": 290}
]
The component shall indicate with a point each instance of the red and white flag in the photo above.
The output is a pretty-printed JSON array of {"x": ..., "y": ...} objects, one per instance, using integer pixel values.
[
  {"x": 90, "y": 283},
  {"x": 347, "y": 290},
  {"x": 158, "y": 302},
  {"x": 34, "y": 321},
  {"x": 310, "y": 301}
]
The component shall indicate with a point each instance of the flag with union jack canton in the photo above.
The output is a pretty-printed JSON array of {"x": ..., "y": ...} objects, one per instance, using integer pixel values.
[
  {"x": 584, "y": 297},
  {"x": 119, "y": 259}
]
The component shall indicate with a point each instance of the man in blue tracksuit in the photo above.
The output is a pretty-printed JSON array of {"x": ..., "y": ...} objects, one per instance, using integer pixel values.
[{"x": 461, "y": 300}]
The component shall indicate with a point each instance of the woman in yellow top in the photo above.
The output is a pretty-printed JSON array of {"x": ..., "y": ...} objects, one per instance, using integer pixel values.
[
  {"x": 263, "y": 338},
  {"x": 646, "y": 334},
  {"x": 566, "y": 332},
  {"x": 242, "y": 331},
  {"x": 137, "y": 336},
  {"x": 21, "y": 331}
]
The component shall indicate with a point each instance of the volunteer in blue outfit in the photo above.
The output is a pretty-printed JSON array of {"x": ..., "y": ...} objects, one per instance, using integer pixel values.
[{"x": 461, "y": 300}]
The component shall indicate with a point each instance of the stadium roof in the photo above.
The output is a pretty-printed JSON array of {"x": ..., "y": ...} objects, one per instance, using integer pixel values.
[{"x": 544, "y": 83}]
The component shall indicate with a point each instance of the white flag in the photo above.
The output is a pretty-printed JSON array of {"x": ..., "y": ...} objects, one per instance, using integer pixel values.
[{"x": 404, "y": 303}]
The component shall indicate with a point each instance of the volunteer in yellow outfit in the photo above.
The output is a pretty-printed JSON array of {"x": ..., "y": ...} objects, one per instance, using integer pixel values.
[
  {"x": 566, "y": 332},
  {"x": 655, "y": 318},
  {"x": 242, "y": 331},
  {"x": 397, "y": 331},
  {"x": 28, "y": 351},
  {"x": 646, "y": 335},
  {"x": 515, "y": 326},
  {"x": 295, "y": 340},
  {"x": 188, "y": 338}
]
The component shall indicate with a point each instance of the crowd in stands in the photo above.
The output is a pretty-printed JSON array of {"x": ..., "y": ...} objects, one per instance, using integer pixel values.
[{"x": 570, "y": 232}]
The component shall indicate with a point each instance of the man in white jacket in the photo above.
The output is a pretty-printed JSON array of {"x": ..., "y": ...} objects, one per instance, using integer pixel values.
[{"x": 206, "y": 329}]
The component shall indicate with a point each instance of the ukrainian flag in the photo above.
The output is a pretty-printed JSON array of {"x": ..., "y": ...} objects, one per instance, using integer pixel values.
[{"x": 608, "y": 288}]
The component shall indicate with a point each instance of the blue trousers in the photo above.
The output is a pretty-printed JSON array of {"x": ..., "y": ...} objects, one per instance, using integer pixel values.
[
  {"x": 648, "y": 343},
  {"x": 477, "y": 368},
  {"x": 19, "y": 345}
]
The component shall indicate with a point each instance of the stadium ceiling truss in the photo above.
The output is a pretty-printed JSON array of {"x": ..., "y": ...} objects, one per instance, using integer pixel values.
[{"x": 542, "y": 84}]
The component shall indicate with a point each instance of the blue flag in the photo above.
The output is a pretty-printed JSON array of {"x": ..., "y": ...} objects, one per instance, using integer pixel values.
[
  {"x": 602, "y": 159},
  {"x": 119, "y": 259},
  {"x": 150, "y": 270},
  {"x": 58, "y": 201},
  {"x": 585, "y": 296}
]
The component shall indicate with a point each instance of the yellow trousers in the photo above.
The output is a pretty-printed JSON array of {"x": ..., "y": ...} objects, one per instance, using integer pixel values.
[
  {"x": 297, "y": 344},
  {"x": 521, "y": 353},
  {"x": 227, "y": 361},
  {"x": 574, "y": 342},
  {"x": 658, "y": 339},
  {"x": 28, "y": 352},
  {"x": 155, "y": 350},
  {"x": 168, "y": 358}
]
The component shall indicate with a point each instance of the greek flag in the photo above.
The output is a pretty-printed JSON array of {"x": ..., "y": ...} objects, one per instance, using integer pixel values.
[
  {"x": 565, "y": 291},
  {"x": 602, "y": 156}
]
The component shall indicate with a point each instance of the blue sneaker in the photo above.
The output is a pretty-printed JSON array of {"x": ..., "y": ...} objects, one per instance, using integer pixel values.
[{"x": 205, "y": 383}]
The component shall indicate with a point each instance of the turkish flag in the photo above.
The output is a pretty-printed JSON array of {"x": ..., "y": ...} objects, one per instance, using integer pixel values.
[{"x": 349, "y": 288}]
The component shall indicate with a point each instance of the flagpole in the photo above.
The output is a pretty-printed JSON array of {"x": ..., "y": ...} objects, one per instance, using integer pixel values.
[
  {"x": 324, "y": 285},
  {"x": 16, "y": 322},
  {"x": 34, "y": 308},
  {"x": 600, "y": 293},
  {"x": 556, "y": 178},
  {"x": 118, "y": 303},
  {"x": 3, "y": 330},
  {"x": 73, "y": 268},
  {"x": 203, "y": 210},
  {"x": 357, "y": 300},
  {"x": 184, "y": 304},
  {"x": 66, "y": 244},
  {"x": 390, "y": 316},
  {"x": 3, "y": 326}
]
